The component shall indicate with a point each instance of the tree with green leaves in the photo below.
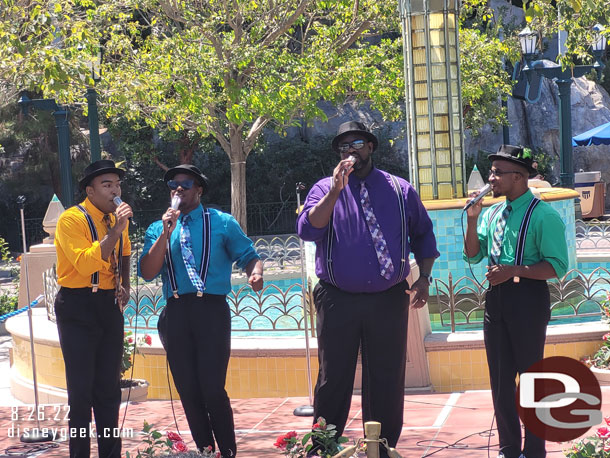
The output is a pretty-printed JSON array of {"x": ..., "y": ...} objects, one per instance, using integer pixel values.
[
  {"x": 221, "y": 68},
  {"x": 227, "y": 69}
]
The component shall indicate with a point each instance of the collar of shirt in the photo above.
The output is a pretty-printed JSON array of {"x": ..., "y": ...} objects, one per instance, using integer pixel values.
[
  {"x": 95, "y": 212},
  {"x": 194, "y": 215},
  {"x": 374, "y": 177},
  {"x": 521, "y": 201}
]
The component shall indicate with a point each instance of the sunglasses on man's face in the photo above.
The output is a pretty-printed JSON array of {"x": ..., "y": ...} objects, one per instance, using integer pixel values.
[
  {"x": 184, "y": 184},
  {"x": 345, "y": 147}
]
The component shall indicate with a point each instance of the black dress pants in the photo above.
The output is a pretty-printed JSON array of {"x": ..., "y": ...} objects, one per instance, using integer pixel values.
[
  {"x": 90, "y": 327},
  {"x": 377, "y": 322},
  {"x": 196, "y": 332},
  {"x": 516, "y": 317}
]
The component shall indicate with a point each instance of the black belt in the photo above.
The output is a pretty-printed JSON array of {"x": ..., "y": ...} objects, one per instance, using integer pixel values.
[{"x": 86, "y": 289}]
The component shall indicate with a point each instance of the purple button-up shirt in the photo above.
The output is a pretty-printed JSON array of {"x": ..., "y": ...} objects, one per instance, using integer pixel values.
[{"x": 355, "y": 264}]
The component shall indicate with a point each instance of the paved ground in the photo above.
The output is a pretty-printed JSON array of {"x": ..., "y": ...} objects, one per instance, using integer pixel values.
[{"x": 442, "y": 425}]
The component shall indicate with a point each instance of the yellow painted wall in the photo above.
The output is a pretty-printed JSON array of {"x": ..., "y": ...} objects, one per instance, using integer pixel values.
[
  {"x": 278, "y": 376},
  {"x": 460, "y": 370}
]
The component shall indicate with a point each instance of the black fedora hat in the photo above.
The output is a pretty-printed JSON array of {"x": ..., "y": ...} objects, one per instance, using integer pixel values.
[
  {"x": 515, "y": 154},
  {"x": 99, "y": 168},
  {"x": 353, "y": 127},
  {"x": 189, "y": 169}
]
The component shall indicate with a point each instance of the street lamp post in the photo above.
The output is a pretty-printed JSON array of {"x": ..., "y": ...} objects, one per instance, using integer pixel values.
[
  {"x": 563, "y": 79},
  {"x": 94, "y": 125},
  {"x": 61, "y": 115}
]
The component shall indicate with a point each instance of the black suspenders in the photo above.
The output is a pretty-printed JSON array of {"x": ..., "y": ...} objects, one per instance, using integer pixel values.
[
  {"x": 403, "y": 227},
  {"x": 519, "y": 251},
  {"x": 403, "y": 235},
  {"x": 205, "y": 255},
  {"x": 95, "y": 277},
  {"x": 525, "y": 223}
]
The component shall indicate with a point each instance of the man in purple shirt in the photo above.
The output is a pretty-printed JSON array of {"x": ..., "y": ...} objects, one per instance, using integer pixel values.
[{"x": 365, "y": 222}]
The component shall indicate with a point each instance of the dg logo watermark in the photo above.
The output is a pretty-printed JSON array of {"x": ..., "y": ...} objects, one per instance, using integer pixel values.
[{"x": 559, "y": 399}]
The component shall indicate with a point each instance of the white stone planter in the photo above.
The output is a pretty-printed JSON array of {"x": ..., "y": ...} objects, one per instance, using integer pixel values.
[
  {"x": 602, "y": 375},
  {"x": 139, "y": 391}
]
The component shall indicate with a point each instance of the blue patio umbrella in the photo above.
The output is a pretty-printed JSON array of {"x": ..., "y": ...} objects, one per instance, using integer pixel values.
[{"x": 599, "y": 135}]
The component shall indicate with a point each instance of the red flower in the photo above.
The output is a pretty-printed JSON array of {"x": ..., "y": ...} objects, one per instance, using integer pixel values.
[
  {"x": 209, "y": 449},
  {"x": 607, "y": 420},
  {"x": 148, "y": 339},
  {"x": 282, "y": 441},
  {"x": 179, "y": 447},
  {"x": 217, "y": 455},
  {"x": 603, "y": 432},
  {"x": 130, "y": 340},
  {"x": 174, "y": 437},
  {"x": 316, "y": 426}
]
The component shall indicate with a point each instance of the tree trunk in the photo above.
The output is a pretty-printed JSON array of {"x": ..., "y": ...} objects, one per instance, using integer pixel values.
[{"x": 238, "y": 192}]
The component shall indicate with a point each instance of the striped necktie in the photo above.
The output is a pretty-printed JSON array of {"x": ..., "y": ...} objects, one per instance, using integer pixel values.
[
  {"x": 114, "y": 262},
  {"x": 187, "y": 255},
  {"x": 498, "y": 236},
  {"x": 386, "y": 267}
]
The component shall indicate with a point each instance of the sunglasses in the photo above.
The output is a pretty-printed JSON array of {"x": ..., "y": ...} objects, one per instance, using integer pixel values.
[
  {"x": 345, "y": 147},
  {"x": 184, "y": 184}
]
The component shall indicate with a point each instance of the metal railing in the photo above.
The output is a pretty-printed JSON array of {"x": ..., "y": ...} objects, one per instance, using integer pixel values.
[
  {"x": 460, "y": 304},
  {"x": 575, "y": 297},
  {"x": 273, "y": 309},
  {"x": 592, "y": 234}
]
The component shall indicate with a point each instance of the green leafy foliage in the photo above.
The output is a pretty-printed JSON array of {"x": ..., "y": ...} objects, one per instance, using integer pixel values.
[
  {"x": 577, "y": 17},
  {"x": 594, "y": 446},
  {"x": 8, "y": 302},
  {"x": 5, "y": 253},
  {"x": 130, "y": 349},
  {"x": 323, "y": 437}
]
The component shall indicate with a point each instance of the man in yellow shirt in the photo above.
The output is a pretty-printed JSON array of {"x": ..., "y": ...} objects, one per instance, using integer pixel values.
[{"x": 93, "y": 252}]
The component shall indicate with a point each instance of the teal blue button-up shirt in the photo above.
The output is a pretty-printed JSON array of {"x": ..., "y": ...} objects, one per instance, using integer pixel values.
[
  {"x": 545, "y": 240},
  {"x": 229, "y": 245}
]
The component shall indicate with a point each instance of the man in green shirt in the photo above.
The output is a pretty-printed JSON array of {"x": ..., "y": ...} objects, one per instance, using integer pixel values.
[{"x": 524, "y": 240}]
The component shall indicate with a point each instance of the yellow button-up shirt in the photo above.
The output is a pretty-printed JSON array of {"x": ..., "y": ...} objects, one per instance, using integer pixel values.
[{"x": 78, "y": 256}]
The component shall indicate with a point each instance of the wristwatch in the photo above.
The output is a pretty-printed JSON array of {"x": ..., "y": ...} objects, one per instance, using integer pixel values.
[{"x": 427, "y": 277}]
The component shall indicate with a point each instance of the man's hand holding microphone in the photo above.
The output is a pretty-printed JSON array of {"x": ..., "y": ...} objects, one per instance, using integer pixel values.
[{"x": 170, "y": 217}]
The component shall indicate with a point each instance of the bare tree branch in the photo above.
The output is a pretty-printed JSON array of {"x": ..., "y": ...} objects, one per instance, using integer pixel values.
[
  {"x": 254, "y": 132},
  {"x": 353, "y": 37},
  {"x": 286, "y": 24}
]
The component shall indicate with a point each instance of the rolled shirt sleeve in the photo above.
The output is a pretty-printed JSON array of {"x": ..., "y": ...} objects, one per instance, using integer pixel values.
[
  {"x": 239, "y": 247},
  {"x": 552, "y": 241},
  {"x": 305, "y": 229},
  {"x": 482, "y": 233},
  {"x": 150, "y": 237}
]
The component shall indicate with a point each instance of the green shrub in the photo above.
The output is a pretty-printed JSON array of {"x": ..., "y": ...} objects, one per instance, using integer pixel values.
[{"x": 8, "y": 303}]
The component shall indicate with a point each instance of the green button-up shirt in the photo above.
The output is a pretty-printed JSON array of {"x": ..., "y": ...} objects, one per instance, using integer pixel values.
[{"x": 545, "y": 240}]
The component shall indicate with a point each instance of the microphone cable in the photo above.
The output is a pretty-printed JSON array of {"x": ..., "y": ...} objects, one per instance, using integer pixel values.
[
  {"x": 474, "y": 277},
  {"x": 457, "y": 444},
  {"x": 135, "y": 346}
]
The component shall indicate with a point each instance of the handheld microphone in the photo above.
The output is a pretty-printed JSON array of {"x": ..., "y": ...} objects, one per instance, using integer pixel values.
[
  {"x": 353, "y": 161},
  {"x": 174, "y": 206},
  {"x": 117, "y": 201},
  {"x": 482, "y": 193}
]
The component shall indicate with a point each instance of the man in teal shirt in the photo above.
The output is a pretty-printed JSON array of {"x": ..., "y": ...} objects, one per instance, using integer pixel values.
[
  {"x": 524, "y": 240},
  {"x": 194, "y": 249}
]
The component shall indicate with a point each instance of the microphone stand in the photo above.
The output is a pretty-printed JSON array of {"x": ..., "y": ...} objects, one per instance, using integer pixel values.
[
  {"x": 304, "y": 411},
  {"x": 38, "y": 435}
]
